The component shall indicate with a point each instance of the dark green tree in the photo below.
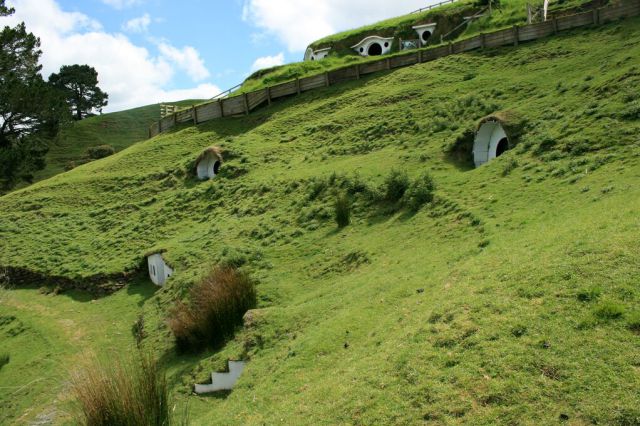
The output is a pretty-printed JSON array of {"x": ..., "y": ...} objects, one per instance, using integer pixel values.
[
  {"x": 79, "y": 83},
  {"x": 30, "y": 110}
]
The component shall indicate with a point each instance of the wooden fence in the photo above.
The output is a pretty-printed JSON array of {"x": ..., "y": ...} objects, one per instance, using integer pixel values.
[{"x": 245, "y": 103}]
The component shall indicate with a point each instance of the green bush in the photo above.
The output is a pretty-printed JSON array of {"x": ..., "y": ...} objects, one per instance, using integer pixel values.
[
  {"x": 100, "y": 151},
  {"x": 394, "y": 186},
  {"x": 216, "y": 306},
  {"x": 342, "y": 209},
  {"x": 420, "y": 192}
]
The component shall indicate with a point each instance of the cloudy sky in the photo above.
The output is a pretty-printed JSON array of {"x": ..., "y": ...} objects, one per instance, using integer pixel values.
[{"x": 149, "y": 51}]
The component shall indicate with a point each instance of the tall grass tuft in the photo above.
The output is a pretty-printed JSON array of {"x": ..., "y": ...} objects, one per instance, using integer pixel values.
[
  {"x": 342, "y": 209},
  {"x": 123, "y": 391},
  {"x": 4, "y": 359},
  {"x": 216, "y": 306}
]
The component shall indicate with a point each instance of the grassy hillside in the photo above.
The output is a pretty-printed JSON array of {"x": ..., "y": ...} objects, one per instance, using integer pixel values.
[
  {"x": 118, "y": 129},
  {"x": 512, "y": 298}
]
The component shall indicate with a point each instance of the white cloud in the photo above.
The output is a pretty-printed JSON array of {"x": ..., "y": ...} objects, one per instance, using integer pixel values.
[
  {"x": 187, "y": 59},
  {"x": 137, "y": 25},
  {"x": 299, "y": 23},
  {"x": 130, "y": 74},
  {"x": 122, "y": 4},
  {"x": 267, "y": 62}
]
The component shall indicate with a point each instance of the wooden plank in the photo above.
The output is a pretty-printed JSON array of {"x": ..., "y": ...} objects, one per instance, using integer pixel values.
[
  {"x": 208, "y": 111},
  {"x": 256, "y": 98},
  {"x": 435, "y": 53},
  {"x": 194, "y": 114},
  {"x": 342, "y": 74},
  {"x": 516, "y": 35},
  {"x": 499, "y": 38},
  {"x": 313, "y": 82},
  {"x": 404, "y": 60},
  {"x": 234, "y": 105},
  {"x": 536, "y": 31},
  {"x": 283, "y": 89},
  {"x": 574, "y": 21},
  {"x": 373, "y": 66}
]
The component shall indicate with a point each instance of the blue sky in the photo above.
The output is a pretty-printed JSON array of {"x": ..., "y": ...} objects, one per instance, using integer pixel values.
[{"x": 148, "y": 51}]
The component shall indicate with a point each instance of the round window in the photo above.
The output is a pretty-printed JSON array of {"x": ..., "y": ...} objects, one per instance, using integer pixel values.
[{"x": 386, "y": 44}]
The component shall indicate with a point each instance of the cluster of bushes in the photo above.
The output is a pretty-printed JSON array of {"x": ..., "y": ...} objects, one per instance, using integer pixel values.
[
  {"x": 397, "y": 191},
  {"x": 129, "y": 391},
  {"x": 216, "y": 306}
]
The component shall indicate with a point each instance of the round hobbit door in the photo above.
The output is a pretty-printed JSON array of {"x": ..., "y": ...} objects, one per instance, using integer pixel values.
[
  {"x": 426, "y": 35},
  {"x": 216, "y": 167},
  {"x": 375, "y": 50},
  {"x": 503, "y": 145}
]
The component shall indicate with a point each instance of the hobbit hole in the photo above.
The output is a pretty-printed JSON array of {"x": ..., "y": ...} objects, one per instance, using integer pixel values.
[
  {"x": 490, "y": 142},
  {"x": 208, "y": 163}
]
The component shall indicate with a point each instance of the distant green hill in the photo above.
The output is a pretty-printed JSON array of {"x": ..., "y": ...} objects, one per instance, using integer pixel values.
[
  {"x": 512, "y": 298},
  {"x": 119, "y": 129}
]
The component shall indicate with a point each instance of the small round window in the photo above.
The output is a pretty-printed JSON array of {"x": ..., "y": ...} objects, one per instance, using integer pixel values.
[
  {"x": 361, "y": 49},
  {"x": 386, "y": 44}
]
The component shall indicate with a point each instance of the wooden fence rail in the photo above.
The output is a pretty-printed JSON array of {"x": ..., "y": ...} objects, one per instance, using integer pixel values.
[{"x": 245, "y": 103}]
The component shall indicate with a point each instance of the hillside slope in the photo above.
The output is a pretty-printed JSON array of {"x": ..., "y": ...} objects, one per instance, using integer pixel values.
[
  {"x": 512, "y": 298},
  {"x": 119, "y": 129}
]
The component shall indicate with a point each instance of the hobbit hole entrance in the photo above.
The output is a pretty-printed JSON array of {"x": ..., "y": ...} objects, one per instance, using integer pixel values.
[{"x": 375, "y": 50}]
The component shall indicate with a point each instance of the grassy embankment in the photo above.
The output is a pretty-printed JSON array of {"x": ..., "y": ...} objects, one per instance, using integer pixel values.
[{"x": 512, "y": 298}]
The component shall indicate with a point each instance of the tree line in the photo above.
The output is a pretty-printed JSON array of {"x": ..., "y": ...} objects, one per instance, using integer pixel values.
[{"x": 32, "y": 109}]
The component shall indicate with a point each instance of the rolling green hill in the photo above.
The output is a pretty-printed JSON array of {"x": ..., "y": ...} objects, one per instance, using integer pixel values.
[
  {"x": 511, "y": 298},
  {"x": 118, "y": 129}
]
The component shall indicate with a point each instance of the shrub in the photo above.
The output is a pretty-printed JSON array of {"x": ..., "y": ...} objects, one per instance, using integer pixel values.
[
  {"x": 100, "y": 151},
  {"x": 609, "y": 311},
  {"x": 342, "y": 209},
  {"x": 131, "y": 391},
  {"x": 394, "y": 186},
  {"x": 4, "y": 359},
  {"x": 420, "y": 192},
  {"x": 216, "y": 305}
]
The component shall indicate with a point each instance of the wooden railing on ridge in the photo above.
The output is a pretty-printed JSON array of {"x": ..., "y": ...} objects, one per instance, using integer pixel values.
[{"x": 243, "y": 104}]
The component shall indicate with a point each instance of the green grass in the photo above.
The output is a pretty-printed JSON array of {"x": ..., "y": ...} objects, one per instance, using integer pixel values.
[
  {"x": 509, "y": 298},
  {"x": 117, "y": 129}
]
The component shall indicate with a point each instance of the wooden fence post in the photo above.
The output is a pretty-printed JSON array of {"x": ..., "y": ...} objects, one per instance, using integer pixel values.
[
  {"x": 175, "y": 119},
  {"x": 160, "y": 126},
  {"x": 268, "y": 89},
  {"x": 194, "y": 114},
  {"x": 246, "y": 104},
  {"x": 149, "y": 132},
  {"x": 357, "y": 71},
  {"x": 596, "y": 16},
  {"x": 419, "y": 56},
  {"x": 555, "y": 25},
  {"x": 388, "y": 63},
  {"x": 221, "y": 107},
  {"x": 450, "y": 48},
  {"x": 326, "y": 79},
  {"x": 516, "y": 35},
  {"x": 482, "y": 41}
]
